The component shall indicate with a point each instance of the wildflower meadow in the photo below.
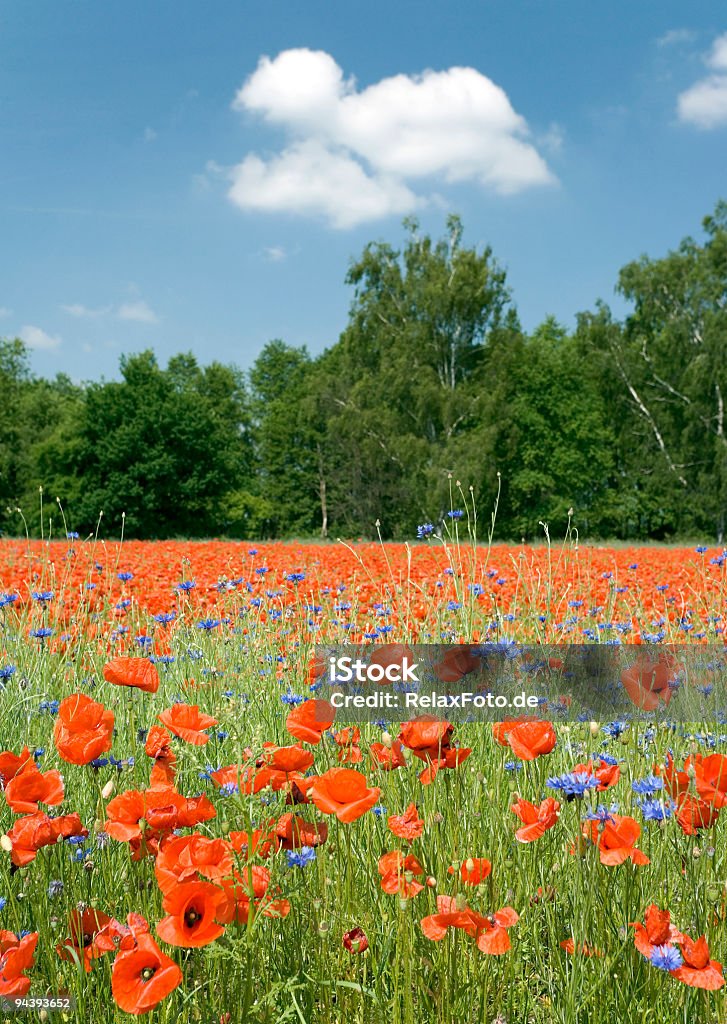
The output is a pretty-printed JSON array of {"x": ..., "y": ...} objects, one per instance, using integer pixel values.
[{"x": 190, "y": 831}]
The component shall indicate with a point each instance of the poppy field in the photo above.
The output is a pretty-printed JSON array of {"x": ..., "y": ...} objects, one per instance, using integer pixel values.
[{"x": 189, "y": 831}]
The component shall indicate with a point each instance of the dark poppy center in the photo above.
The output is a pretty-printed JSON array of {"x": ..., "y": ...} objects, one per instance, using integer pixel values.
[
  {"x": 191, "y": 917},
  {"x": 87, "y": 939},
  {"x": 148, "y": 973}
]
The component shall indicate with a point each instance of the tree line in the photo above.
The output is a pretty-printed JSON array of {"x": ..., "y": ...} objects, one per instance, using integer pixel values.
[{"x": 433, "y": 388}]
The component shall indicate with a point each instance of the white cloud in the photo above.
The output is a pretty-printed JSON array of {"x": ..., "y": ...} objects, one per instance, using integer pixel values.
[
  {"x": 36, "y": 337},
  {"x": 4, "y": 311},
  {"x": 354, "y": 154},
  {"x": 676, "y": 37},
  {"x": 149, "y": 135},
  {"x": 704, "y": 104},
  {"x": 274, "y": 253},
  {"x": 77, "y": 309},
  {"x": 139, "y": 311}
]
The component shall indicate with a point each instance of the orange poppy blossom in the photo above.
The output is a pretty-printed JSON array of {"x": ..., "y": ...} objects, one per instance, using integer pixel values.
[
  {"x": 697, "y": 970},
  {"x": 536, "y": 820},
  {"x": 261, "y": 842},
  {"x": 188, "y": 723},
  {"x": 30, "y": 787},
  {"x": 294, "y": 832},
  {"x": 430, "y": 739},
  {"x": 457, "y": 662},
  {"x": 143, "y": 976},
  {"x": 676, "y": 782},
  {"x": 34, "y": 831},
  {"x": 656, "y": 930},
  {"x": 137, "y": 672},
  {"x": 407, "y": 825},
  {"x": 345, "y": 793},
  {"x": 84, "y": 927},
  {"x": 247, "y": 778},
  {"x": 650, "y": 681},
  {"x": 490, "y": 933},
  {"x": 158, "y": 746},
  {"x": 187, "y": 858},
  {"x": 693, "y": 814},
  {"x": 16, "y": 957},
  {"x": 115, "y": 936},
  {"x": 606, "y": 774},
  {"x": 472, "y": 871},
  {"x": 500, "y": 730},
  {"x": 387, "y": 757},
  {"x": 310, "y": 720},
  {"x": 191, "y": 910},
  {"x": 11, "y": 764},
  {"x": 162, "y": 810},
  {"x": 616, "y": 840},
  {"x": 387, "y": 655},
  {"x": 532, "y": 739},
  {"x": 711, "y": 779},
  {"x": 248, "y": 890},
  {"x": 582, "y": 949},
  {"x": 285, "y": 765},
  {"x": 397, "y": 874},
  {"x": 347, "y": 740},
  {"x": 83, "y": 729}
]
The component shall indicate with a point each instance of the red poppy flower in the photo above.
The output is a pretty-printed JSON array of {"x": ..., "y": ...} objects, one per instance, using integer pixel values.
[
  {"x": 260, "y": 842},
  {"x": 137, "y": 672},
  {"x": 397, "y": 874},
  {"x": 159, "y": 744},
  {"x": 11, "y": 764},
  {"x": 310, "y": 720},
  {"x": 676, "y": 782},
  {"x": 31, "y": 787},
  {"x": 536, "y": 820},
  {"x": 295, "y": 832},
  {"x": 430, "y": 739},
  {"x": 387, "y": 757},
  {"x": 693, "y": 814},
  {"x": 582, "y": 949},
  {"x": 606, "y": 774},
  {"x": 473, "y": 871},
  {"x": 141, "y": 977},
  {"x": 529, "y": 740},
  {"x": 191, "y": 909},
  {"x": 345, "y": 793},
  {"x": 187, "y": 858},
  {"x": 649, "y": 681},
  {"x": 616, "y": 840},
  {"x": 698, "y": 971},
  {"x": 355, "y": 941},
  {"x": 711, "y": 779},
  {"x": 83, "y": 729},
  {"x": 84, "y": 927},
  {"x": 16, "y": 957},
  {"x": 489, "y": 933},
  {"x": 246, "y": 890},
  {"x": 657, "y": 930},
  {"x": 188, "y": 722},
  {"x": 162, "y": 810},
  {"x": 31, "y": 833},
  {"x": 247, "y": 777},
  {"x": 457, "y": 661},
  {"x": 407, "y": 825},
  {"x": 500, "y": 730},
  {"x": 348, "y": 740}
]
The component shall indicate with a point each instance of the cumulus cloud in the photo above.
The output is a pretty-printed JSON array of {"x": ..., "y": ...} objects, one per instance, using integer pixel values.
[
  {"x": 355, "y": 155},
  {"x": 676, "y": 37},
  {"x": 704, "y": 104},
  {"x": 36, "y": 337},
  {"x": 139, "y": 311},
  {"x": 77, "y": 309}
]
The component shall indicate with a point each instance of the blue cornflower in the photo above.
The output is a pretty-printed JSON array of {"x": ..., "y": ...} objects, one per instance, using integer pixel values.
[
  {"x": 425, "y": 530},
  {"x": 299, "y": 859},
  {"x": 208, "y": 624},
  {"x": 573, "y": 784},
  {"x": 7, "y": 671},
  {"x": 229, "y": 789},
  {"x": 125, "y": 576},
  {"x": 72, "y": 535},
  {"x": 3, "y": 903},
  {"x": 294, "y": 577},
  {"x": 55, "y": 887},
  {"x": 291, "y": 698},
  {"x": 456, "y": 513},
  {"x": 656, "y": 810},
  {"x": 666, "y": 958},
  {"x": 42, "y": 595},
  {"x": 41, "y": 634},
  {"x": 186, "y": 585},
  {"x": 513, "y": 766},
  {"x": 648, "y": 786}
]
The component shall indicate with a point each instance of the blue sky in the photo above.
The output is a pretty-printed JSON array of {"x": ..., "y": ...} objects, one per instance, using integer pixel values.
[{"x": 185, "y": 175}]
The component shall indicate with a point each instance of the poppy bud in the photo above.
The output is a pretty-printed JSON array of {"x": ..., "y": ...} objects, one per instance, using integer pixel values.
[
  {"x": 387, "y": 740},
  {"x": 625, "y": 737},
  {"x": 6, "y": 843},
  {"x": 469, "y": 864},
  {"x": 108, "y": 789},
  {"x": 324, "y": 928},
  {"x": 355, "y": 941},
  {"x": 595, "y": 728},
  {"x": 432, "y": 882}
]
